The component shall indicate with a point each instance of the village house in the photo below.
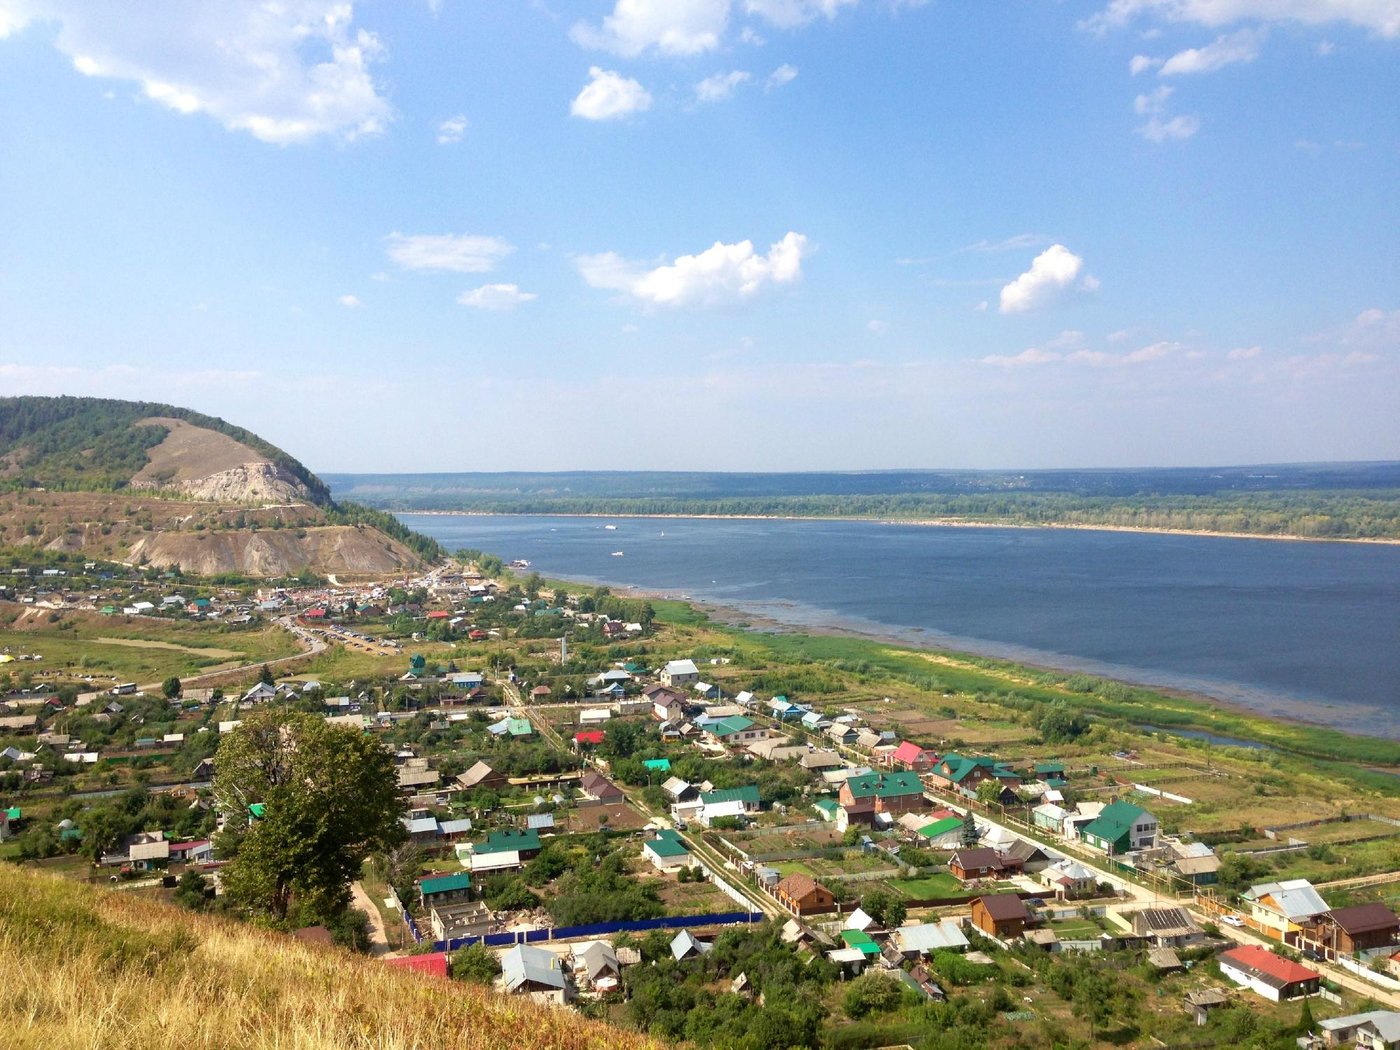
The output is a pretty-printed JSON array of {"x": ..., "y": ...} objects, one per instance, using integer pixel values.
[
  {"x": 600, "y": 789},
  {"x": 480, "y": 775},
  {"x": 536, "y": 972},
  {"x": 911, "y": 756},
  {"x": 914, "y": 942},
  {"x": 666, "y": 704},
  {"x": 803, "y": 895},
  {"x": 1281, "y": 908},
  {"x": 962, "y": 774},
  {"x": 667, "y": 851},
  {"x": 1373, "y": 1030},
  {"x": 1167, "y": 927},
  {"x": 1069, "y": 879},
  {"x": 1003, "y": 915},
  {"x": 678, "y": 674},
  {"x": 444, "y": 889},
  {"x": 1343, "y": 932},
  {"x": 503, "y": 850},
  {"x": 817, "y": 761},
  {"x": 943, "y": 832},
  {"x": 735, "y": 731},
  {"x": 981, "y": 862},
  {"x": 1120, "y": 828},
  {"x": 777, "y": 749},
  {"x": 1268, "y": 975},
  {"x": 597, "y": 963},
  {"x": 864, "y": 796},
  {"x": 728, "y": 802}
]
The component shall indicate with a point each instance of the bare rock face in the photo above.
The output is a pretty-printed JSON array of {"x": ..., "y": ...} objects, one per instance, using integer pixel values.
[
  {"x": 248, "y": 483},
  {"x": 323, "y": 549}
]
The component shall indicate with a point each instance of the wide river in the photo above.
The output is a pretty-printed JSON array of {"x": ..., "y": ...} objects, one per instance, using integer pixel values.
[{"x": 1304, "y": 630}]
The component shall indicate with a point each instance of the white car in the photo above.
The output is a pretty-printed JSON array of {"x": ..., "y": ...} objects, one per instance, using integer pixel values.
[{"x": 1232, "y": 920}]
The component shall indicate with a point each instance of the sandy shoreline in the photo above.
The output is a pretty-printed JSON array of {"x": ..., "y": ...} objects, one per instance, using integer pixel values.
[{"x": 941, "y": 523}]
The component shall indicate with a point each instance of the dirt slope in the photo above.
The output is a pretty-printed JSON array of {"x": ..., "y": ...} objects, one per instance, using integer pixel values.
[
  {"x": 342, "y": 549},
  {"x": 206, "y": 465}
]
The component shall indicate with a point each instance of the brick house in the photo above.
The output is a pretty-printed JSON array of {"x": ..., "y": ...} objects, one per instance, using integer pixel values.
[{"x": 804, "y": 895}]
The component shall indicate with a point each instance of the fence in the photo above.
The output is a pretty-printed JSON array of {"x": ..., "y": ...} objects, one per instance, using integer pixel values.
[{"x": 599, "y": 929}]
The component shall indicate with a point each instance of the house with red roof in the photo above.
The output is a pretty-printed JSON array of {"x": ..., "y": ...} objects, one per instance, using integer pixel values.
[
  {"x": 1269, "y": 975},
  {"x": 588, "y": 739},
  {"x": 911, "y": 756}
]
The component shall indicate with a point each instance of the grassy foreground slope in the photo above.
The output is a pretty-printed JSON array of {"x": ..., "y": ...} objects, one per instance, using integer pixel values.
[{"x": 87, "y": 968}]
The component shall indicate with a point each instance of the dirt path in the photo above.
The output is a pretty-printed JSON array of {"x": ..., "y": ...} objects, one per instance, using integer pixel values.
[
  {"x": 379, "y": 937},
  {"x": 146, "y": 643}
]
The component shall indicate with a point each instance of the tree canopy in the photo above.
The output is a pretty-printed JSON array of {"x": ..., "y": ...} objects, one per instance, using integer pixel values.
[{"x": 329, "y": 798}]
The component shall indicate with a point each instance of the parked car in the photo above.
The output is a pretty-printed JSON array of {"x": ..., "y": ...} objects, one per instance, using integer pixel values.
[{"x": 1232, "y": 920}]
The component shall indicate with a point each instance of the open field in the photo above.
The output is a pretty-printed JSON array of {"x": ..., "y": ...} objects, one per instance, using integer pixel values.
[{"x": 928, "y": 887}]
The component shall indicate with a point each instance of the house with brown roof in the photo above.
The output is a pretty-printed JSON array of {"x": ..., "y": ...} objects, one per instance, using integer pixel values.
[
  {"x": 983, "y": 862},
  {"x": 480, "y": 775},
  {"x": 803, "y": 895},
  {"x": 600, "y": 788},
  {"x": 1167, "y": 927},
  {"x": 1344, "y": 931},
  {"x": 1003, "y": 915}
]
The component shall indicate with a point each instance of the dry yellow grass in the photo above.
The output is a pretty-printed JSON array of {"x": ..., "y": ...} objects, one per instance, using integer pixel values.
[{"x": 101, "y": 970}]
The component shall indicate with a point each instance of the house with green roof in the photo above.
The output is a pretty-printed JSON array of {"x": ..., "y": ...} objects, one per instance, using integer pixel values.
[
  {"x": 862, "y": 797},
  {"x": 862, "y": 942},
  {"x": 667, "y": 851},
  {"x": 512, "y": 727},
  {"x": 964, "y": 774},
  {"x": 1120, "y": 828},
  {"x": 734, "y": 731},
  {"x": 826, "y": 808},
  {"x": 728, "y": 802},
  {"x": 443, "y": 889},
  {"x": 658, "y": 765},
  {"x": 944, "y": 832}
]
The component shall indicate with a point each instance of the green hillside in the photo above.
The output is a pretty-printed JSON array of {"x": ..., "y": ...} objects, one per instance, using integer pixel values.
[{"x": 89, "y": 444}]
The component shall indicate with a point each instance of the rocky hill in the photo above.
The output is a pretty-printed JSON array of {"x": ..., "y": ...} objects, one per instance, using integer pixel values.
[
  {"x": 103, "y": 968},
  {"x": 146, "y": 483}
]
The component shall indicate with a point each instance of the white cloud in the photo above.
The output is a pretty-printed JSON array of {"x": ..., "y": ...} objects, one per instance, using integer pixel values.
[
  {"x": 673, "y": 27},
  {"x": 877, "y": 327},
  {"x": 284, "y": 72},
  {"x": 722, "y": 273},
  {"x": 1244, "y": 353},
  {"x": 1051, "y": 272},
  {"x": 1030, "y": 356},
  {"x": 1156, "y": 129},
  {"x": 1227, "y": 50},
  {"x": 1142, "y": 63},
  {"x": 1374, "y": 329},
  {"x": 458, "y": 253},
  {"x": 789, "y": 13},
  {"x": 350, "y": 302},
  {"x": 452, "y": 130},
  {"x": 781, "y": 77},
  {"x": 721, "y": 86},
  {"x": 1325, "y": 48},
  {"x": 1160, "y": 127},
  {"x": 1380, "y": 16},
  {"x": 609, "y": 95},
  {"x": 496, "y": 297}
]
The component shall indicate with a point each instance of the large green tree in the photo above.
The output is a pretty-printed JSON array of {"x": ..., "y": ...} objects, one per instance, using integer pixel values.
[{"x": 329, "y": 799}]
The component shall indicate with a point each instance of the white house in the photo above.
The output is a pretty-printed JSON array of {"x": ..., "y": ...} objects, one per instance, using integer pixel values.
[{"x": 679, "y": 673}]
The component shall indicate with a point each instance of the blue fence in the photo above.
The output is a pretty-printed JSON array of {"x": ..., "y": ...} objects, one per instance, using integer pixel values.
[
  {"x": 412, "y": 926},
  {"x": 598, "y": 929}
]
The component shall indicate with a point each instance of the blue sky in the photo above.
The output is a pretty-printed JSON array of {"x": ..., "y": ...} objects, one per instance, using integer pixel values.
[{"x": 714, "y": 234}]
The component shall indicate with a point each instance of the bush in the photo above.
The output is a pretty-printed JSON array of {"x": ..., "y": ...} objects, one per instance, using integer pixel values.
[
  {"x": 476, "y": 964},
  {"x": 872, "y": 992}
]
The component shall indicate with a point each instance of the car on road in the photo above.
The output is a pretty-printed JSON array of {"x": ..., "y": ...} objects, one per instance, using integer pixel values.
[{"x": 1232, "y": 920}]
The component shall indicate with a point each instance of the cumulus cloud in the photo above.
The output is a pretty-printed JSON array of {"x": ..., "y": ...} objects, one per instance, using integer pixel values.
[
  {"x": 1142, "y": 63},
  {"x": 722, "y": 273},
  {"x": 496, "y": 297},
  {"x": 609, "y": 95},
  {"x": 721, "y": 86},
  {"x": 1226, "y": 50},
  {"x": 457, "y": 253},
  {"x": 1030, "y": 356},
  {"x": 284, "y": 73},
  {"x": 1052, "y": 272},
  {"x": 350, "y": 302},
  {"x": 1379, "y": 16},
  {"x": 781, "y": 77},
  {"x": 452, "y": 130},
  {"x": 673, "y": 27},
  {"x": 1244, "y": 353},
  {"x": 789, "y": 13}
]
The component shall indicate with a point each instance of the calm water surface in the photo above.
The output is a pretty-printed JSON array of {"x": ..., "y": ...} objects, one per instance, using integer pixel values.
[{"x": 1307, "y": 630}]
